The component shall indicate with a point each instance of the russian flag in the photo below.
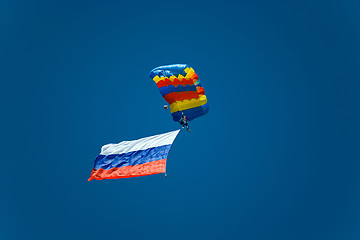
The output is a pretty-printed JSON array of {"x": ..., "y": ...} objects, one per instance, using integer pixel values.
[{"x": 136, "y": 158}]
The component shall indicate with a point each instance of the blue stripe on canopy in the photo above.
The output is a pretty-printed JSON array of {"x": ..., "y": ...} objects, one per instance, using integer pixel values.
[
  {"x": 191, "y": 113},
  {"x": 179, "y": 88},
  {"x": 169, "y": 70}
]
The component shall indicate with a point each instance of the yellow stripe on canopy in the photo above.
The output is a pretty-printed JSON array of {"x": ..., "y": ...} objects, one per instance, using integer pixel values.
[
  {"x": 189, "y": 74},
  {"x": 187, "y": 104},
  {"x": 172, "y": 78}
]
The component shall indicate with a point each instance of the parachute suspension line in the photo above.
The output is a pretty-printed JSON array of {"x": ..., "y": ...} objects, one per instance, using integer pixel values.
[{"x": 165, "y": 168}]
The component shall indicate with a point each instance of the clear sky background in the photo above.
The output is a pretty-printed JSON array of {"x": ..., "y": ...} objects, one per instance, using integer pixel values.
[{"x": 277, "y": 156}]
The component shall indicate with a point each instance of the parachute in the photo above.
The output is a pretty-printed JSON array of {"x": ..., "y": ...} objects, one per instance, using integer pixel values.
[{"x": 180, "y": 87}]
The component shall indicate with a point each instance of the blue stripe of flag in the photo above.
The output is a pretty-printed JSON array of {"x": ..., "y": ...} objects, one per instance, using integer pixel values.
[{"x": 131, "y": 158}]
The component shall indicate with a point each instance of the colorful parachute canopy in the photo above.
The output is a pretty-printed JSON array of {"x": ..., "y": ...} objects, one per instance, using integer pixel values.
[{"x": 180, "y": 87}]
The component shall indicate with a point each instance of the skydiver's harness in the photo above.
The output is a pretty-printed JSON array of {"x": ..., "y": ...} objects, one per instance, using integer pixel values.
[{"x": 183, "y": 122}]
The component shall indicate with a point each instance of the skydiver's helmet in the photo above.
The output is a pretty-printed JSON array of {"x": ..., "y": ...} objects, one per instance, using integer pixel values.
[{"x": 165, "y": 107}]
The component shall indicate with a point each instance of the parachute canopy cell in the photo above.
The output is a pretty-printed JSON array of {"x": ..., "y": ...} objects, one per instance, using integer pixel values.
[{"x": 180, "y": 87}]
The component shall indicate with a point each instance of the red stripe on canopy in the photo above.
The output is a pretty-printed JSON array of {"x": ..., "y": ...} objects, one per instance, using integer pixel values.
[
  {"x": 180, "y": 96},
  {"x": 166, "y": 82}
]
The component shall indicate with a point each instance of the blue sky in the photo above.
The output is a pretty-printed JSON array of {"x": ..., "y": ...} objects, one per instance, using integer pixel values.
[{"x": 276, "y": 157}]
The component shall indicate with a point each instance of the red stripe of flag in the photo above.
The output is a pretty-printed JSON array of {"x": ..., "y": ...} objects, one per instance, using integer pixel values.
[{"x": 145, "y": 169}]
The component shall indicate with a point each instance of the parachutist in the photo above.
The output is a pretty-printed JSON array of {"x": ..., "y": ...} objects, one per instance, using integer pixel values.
[
  {"x": 183, "y": 122},
  {"x": 165, "y": 107}
]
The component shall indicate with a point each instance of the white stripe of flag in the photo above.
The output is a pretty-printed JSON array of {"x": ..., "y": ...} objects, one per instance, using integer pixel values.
[{"x": 140, "y": 144}]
